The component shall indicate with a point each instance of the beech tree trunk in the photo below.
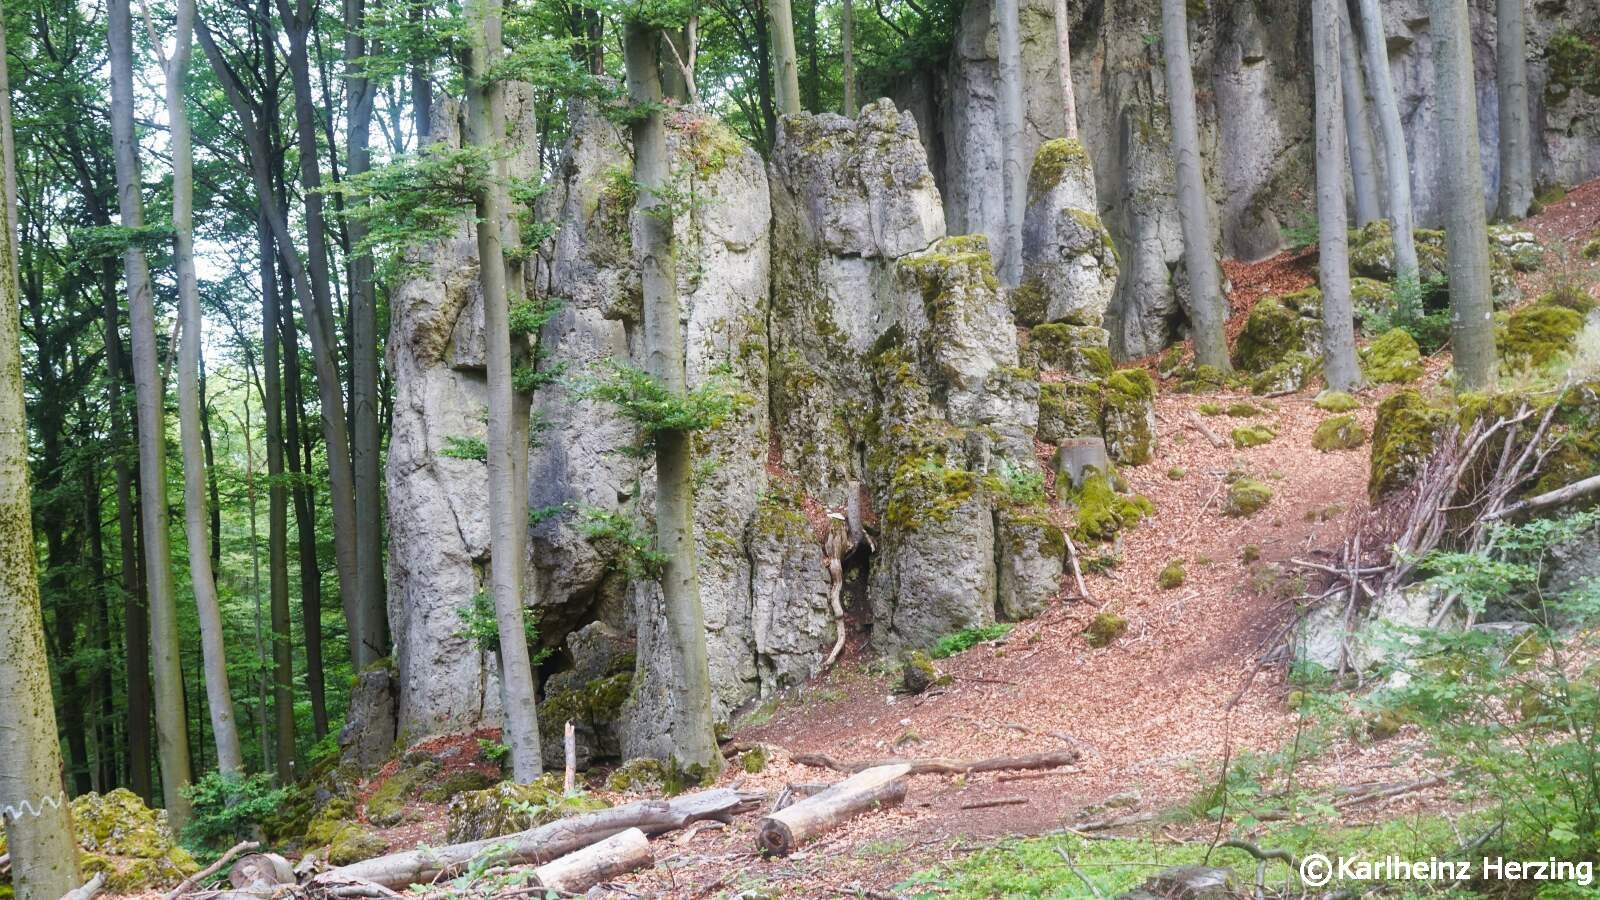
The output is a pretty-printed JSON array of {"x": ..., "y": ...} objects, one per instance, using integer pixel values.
[
  {"x": 277, "y": 496},
  {"x": 508, "y": 522},
  {"x": 365, "y": 440},
  {"x": 366, "y": 636},
  {"x": 847, "y": 63},
  {"x": 1396, "y": 158},
  {"x": 1206, "y": 304},
  {"x": 172, "y": 739},
  {"x": 1461, "y": 178},
  {"x": 1358, "y": 137},
  {"x": 219, "y": 694},
  {"x": 1069, "y": 96},
  {"x": 33, "y": 809},
  {"x": 691, "y": 724},
  {"x": 1339, "y": 368},
  {"x": 1013, "y": 164},
  {"x": 785, "y": 65},
  {"x": 1516, "y": 137}
]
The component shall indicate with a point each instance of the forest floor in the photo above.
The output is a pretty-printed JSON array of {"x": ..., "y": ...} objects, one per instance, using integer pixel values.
[{"x": 1154, "y": 714}]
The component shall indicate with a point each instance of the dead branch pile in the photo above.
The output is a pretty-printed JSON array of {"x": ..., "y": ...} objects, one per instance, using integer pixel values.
[{"x": 1464, "y": 487}]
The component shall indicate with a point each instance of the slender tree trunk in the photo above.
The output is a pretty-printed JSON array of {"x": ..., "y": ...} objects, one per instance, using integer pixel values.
[
  {"x": 1466, "y": 228},
  {"x": 360, "y": 93},
  {"x": 1013, "y": 162},
  {"x": 1358, "y": 138},
  {"x": 213, "y": 492},
  {"x": 1338, "y": 320},
  {"x": 101, "y": 690},
  {"x": 219, "y": 695},
  {"x": 263, "y": 744},
  {"x": 277, "y": 507},
  {"x": 366, "y": 641},
  {"x": 847, "y": 45},
  {"x": 66, "y": 627},
  {"x": 1396, "y": 158},
  {"x": 811, "y": 93},
  {"x": 421, "y": 85},
  {"x": 663, "y": 346},
  {"x": 507, "y": 506},
  {"x": 172, "y": 739},
  {"x": 1516, "y": 137},
  {"x": 1206, "y": 304},
  {"x": 44, "y": 853},
  {"x": 785, "y": 65},
  {"x": 1069, "y": 96},
  {"x": 305, "y": 518}
]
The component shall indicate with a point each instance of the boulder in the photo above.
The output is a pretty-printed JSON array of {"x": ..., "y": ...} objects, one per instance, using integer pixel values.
[
  {"x": 1129, "y": 417},
  {"x": 368, "y": 737},
  {"x": 127, "y": 841},
  {"x": 1032, "y": 553},
  {"x": 508, "y": 808},
  {"x": 1069, "y": 265}
]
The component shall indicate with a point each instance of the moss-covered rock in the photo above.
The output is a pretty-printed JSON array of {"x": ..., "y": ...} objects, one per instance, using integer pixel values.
[
  {"x": 594, "y": 709},
  {"x": 387, "y": 805},
  {"x": 1128, "y": 417},
  {"x": 1079, "y": 351},
  {"x": 925, "y": 490},
  {"x": 1591, "y": 250},
  {"x": 1403, "y": 437},
  {"x": 1172, "y": 575},
  {"x": 1198, "y": 379},
  {"x": 1246, "y": 436},
  {"x": 128, "y": 841},
  {"x": 641, "y": 775},
  {"x": 1243, "y": 410},
  {"x": 1293, "y": 373},
  {"x": 1394, "y": 358},
  {"x": 1336, "y": 401},
  {"x": 352, "y": 843},
  {"x": 917, "y": 672},
  {"x": 458, "y": 782},
  {"x": 1246, "y": 497},
  {"x": 1537, "y": 335},
  {"x": 1338, "y": 433},
  {"x": 1275, "y": 328},
  {"x": 507, "y": 808},
  {"x": 1104, "y": 629},
  {"x": 1102, "y": 511},
  {"x": 754, "y": 760},
  {"x": 1370, "y": 295},
  {"x": 1069, "y": 409},
  {"x": 1569, "y": 295},
  {"x": 1056, "y": 160}
]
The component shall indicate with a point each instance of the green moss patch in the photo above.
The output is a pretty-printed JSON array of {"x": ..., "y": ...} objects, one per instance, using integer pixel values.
[
  {"x": 1102, "y": 511},
  {"x": 1172, "y": 575},
  {"x": 1403, "y": 437},
  {"x": 917, "y": 672},
  {"x": 597, "y": 704},
  {"x": 1127, "y": 416},
  {"x": 1069, "y": 409},
  {"x": 1394, "y": 358},
  {"x": 925, "y": 491},
  {"x": 1338, "y": 433},
  {"x": 1243, "y": 410},
  {"x": 1272, "y": 331},
  {"x": 1246, "y": 497},
  {"x": 1293, "y": 373},
  {"x": 1246, "y": 436},
  {"x": 1336, "y": 401},
  {"x": 1104, "y": 629},
  {"x": 1537, "y": 335},
  {"x": 1054, "y": 161},
  {"x": 128, "y": 841},
  {"x": 1080, "y": 351},
  {"x": 1200, "y": 379}
]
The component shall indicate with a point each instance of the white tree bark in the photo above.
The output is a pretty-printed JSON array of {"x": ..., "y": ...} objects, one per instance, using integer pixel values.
[
  {"x": 1340, "y": 369},
  {"x": 1516, "y": 137},
  {"x": 172, "y": 739},
  {"x": 785, "y": 63},
  {"x": 1358, "y": 135},
  {"x": 1013, "y": 163},
  {"x": 219, "y": 695},
  {"x": 1396, "y": 158},
  {"x": 33, "y": 809},
  {"x": 1206, "y": 303},
  {"x": 1466, "y": 227},
  {"x": 1069, "y": 96}
]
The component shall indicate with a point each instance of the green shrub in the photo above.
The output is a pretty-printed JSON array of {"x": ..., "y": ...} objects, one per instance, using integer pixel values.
[
  {"x": 1024, "y": 485},
  {"x": 479, "y": 624},
  {"x": 967, "y": 638},
  {"x": 460, "y": 447},
  {"x": 227, "y": 809}
]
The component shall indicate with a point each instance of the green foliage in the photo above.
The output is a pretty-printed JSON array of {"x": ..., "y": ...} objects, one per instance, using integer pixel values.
[
  {"x": 1303, "y": 234},
  {"x": 631, "y": 548},
  {"x": 111, "y": 241},
  {"x": 645, "y": 401},
  {"x": 415, "y": 200},
  {"x": 1513, "y": 713},
  {"x": 494, "y": 751},
  {"x": 227, "y": 809},
  {"x": 1430, "y": 329},
  {"x": 480, "y": 625},
  {"x": 527, "y": 317},
  {"x": 464, "y": 447},
  {"x": 1023, "y": 485},
  {"x": 967, "y": 638}
]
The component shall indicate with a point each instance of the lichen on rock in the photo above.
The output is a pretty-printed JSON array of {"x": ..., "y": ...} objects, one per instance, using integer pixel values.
[
  {"x": 129, "y": 842},
  {"x": 1129, "y": 416}
]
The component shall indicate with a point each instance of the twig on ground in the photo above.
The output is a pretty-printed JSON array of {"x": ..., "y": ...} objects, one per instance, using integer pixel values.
[
  {"x": 997, "y": 801},
  {"x": 944, "y": 765},
  {"x": 1067, "y": 858}
]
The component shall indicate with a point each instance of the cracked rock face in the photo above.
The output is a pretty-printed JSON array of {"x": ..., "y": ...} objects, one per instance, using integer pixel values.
[{"x": 1251, "y": 70}]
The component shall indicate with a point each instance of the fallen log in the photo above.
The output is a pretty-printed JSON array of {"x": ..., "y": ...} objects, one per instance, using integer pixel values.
[
  {"x": 261, "y": 873},
  {"x": 539, "y": 845},
  {"x": 1193, "y": 421},
  {"x": 997, "y": 801},
  {"x": 938, "y": 765},
  {"x": 88, "y": 891},
  {"x": 781, "y": 832},
  {"x": 189, "y": 884},
  {"x": 583, "y": 869}
]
